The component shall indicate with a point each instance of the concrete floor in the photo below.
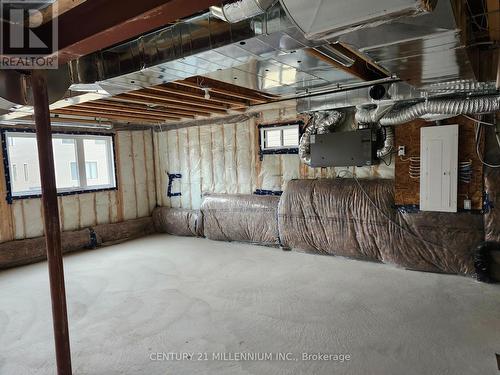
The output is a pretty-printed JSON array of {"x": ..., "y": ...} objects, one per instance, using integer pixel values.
[{"x": 166, "y": 294}]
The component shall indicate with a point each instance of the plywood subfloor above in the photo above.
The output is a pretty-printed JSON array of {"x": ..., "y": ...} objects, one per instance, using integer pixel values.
[{"x": 192, "y": 98}]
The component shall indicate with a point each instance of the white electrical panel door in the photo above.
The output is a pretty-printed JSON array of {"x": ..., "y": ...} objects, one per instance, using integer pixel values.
[{"x": 439, "y": 168}]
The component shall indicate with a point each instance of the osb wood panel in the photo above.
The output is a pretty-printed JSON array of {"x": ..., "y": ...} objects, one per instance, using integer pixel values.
[{"x": 407, "y": 190}]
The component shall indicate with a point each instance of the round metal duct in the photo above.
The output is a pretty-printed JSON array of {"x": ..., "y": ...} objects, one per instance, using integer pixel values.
[
  {"x": 15, "y": 86},
  {"x": 241, "y": 10}
]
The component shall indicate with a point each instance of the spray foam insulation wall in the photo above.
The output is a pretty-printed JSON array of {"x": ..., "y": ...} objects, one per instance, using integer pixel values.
[
  {"x": 135, "y": 197},
  {"x": 408, "y": 189}
]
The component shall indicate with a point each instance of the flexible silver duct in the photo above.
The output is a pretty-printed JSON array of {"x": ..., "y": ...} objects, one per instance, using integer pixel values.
[
  {"x": 454, "y": 107},
  {"x": 428, "y": 109},
  {"x": 364, "y": 117},
  {"x": 320, "y": 123},
  {"x": 461, "y": 86},
  {"x": 241, "y": 10},
  {"x": 388, "y": 146}
]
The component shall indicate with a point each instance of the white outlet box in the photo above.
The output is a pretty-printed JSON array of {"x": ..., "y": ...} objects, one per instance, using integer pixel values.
[{"x": 467, "y": 204}]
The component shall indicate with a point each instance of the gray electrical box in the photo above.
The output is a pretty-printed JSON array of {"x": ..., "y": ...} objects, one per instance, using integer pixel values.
[{"x": 344, "y": 149}]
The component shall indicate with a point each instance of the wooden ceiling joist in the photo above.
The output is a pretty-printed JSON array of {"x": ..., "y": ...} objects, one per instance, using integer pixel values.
[
  {"x": 121, "y": 112},
  {"x": 177, "y": 99},
  {"x": 104, "y": 23},
  {"x": 145, "y": 111},
  {"x": 139, "y": 103},
  {"x": 194, "y": 93},
  {"x": 362, "y": 67},
  {"x": 111, "y": 116},
  {"x": 227, "y": 88},
  {"x": 252, "y": 98},
  {"x": 170, "y": 102}
]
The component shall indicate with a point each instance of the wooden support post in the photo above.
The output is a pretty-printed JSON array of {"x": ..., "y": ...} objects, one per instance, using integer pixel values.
[{"x": 51, "y": 222}]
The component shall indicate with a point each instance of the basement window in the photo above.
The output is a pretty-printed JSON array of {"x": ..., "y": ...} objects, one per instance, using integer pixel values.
[
  {"x": 82, "y": 163},
  {"x": 279, "y": 138}
]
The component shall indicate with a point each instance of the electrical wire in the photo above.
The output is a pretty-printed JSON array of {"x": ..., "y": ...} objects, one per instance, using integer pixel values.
[
  {"x": 346, "y": 171},
  {"x": 414, "y": 167},
  {"x": 478, "y": 132},
  {"x": 390, "y": 157},
  {"x": 479, "y": 121},
  {"x": 465, "y": 171}
]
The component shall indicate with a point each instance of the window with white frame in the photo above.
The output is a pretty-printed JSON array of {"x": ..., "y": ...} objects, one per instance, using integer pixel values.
[
  {"x": 279, "y": 137},
  {"x": 82, "y": 163}
]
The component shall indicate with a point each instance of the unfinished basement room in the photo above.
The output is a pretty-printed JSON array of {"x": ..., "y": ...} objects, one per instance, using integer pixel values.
[{"x": 250, "y": 187}]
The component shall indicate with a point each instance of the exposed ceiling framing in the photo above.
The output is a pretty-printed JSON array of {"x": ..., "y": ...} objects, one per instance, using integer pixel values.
[
  {"x": 169, "y": 103},
  {"x": 104, "y": 23},
  {"x": 58, "y": 8}
]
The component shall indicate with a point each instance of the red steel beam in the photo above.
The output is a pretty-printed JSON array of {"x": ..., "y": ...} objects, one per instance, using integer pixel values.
[{"x": 98, "y": 24}]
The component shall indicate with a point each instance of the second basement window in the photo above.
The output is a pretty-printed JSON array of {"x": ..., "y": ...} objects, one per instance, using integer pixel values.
[
  {"x": 82, "y": 163},
  {"x": 279, "y": 137}
]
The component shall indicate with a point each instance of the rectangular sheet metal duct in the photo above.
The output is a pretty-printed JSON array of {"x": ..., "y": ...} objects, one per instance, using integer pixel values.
[{"x": 319, "y": 19}]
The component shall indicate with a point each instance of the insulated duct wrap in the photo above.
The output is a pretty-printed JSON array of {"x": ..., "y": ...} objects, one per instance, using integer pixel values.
[
  {"x": 320, "y": 123},
  {"x": 492, "y": 217},
  {"x": 335, "y": 217},
  {"x": 178, "y": 221},
  {"x": 474, "y": 105},
  {"x": 242, "y": 218},
  {"x": 108, "y": 234},
  {"x": 435, "y": 241},
  {"x": 16, "y": 253}
]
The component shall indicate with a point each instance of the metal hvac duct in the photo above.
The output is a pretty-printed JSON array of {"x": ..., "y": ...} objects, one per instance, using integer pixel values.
[
  {"x": 15, "y": 87},
  {"x": 198, "y": 46},
  {"x": 319, "y": 19},
  {"x": 162, "y": 56},
  {"x": 481, "y": 104},
  {"x": 434, "y": 108},
  {"x": 241, "y": 10}
]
